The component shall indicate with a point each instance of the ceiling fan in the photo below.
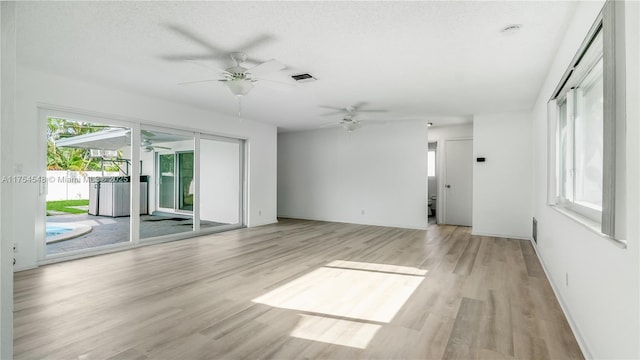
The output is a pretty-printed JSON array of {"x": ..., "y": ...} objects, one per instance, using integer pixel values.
[
  {"x": 147, "y": 146},
  {"x": 239, "y": 79},
  {"x": 145, "y": 142},
  {"x": 352, "y": 119}
]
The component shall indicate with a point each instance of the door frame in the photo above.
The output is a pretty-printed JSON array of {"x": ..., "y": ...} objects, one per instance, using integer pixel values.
[{"x": 44, "y": 112}]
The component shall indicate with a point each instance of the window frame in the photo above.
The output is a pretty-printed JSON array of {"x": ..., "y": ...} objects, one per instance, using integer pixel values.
[{"x": 614, "y": 137}]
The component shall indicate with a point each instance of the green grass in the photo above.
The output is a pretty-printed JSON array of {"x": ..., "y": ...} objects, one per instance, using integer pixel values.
[{"x": 63, "y": 206}]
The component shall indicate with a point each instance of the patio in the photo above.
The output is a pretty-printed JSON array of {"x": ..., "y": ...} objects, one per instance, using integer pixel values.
[{"x": 112, "y": 230}]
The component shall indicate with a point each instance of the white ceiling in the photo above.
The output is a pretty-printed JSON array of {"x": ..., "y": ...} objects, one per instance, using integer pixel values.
[{"x": 441, "y": 61}]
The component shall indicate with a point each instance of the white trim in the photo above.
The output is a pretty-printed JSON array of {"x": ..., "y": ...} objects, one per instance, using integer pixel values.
[
  {"x": 504, "y": 236},
  {"x": 584, "y": 347},
  {"x": 195, "y": 212},
  {"x": 589, "y": 224},
  {"x": 8, "y": 20},
  {"x": 400, "y": 226}
]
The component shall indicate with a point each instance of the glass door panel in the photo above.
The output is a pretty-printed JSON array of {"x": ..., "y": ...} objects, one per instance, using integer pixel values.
[
  {"x": 166, "y": 173},
  {"x": 221, "y": 164},
  {"x": 166, "y": 193},
  {"x": 185, "y": 185},
  {"x": 89, "y": 200}
]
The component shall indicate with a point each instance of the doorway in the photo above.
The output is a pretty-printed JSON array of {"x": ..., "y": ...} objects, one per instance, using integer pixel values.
[
  {"x": 175, "y": 181},
  {"x": 166, "y": 179},
  {"x": 458, "y": 182},
  {"x": 432, "y": 183}
]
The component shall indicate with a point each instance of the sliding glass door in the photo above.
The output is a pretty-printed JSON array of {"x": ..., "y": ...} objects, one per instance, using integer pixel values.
[
  {"x": 166, "y": 157},
  {"x": 221, "y": 182},
  {"x": 185, "y": 180},
  {"x": 166, "y": 181},
  {"x": 186, "y": 183},
  {"x": 88, "y": 194}
]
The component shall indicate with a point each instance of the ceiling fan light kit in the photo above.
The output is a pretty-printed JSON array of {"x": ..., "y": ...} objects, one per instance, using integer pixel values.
[
  {"x": 350, "y": 125},
  {"x": 239, "y": 87}
]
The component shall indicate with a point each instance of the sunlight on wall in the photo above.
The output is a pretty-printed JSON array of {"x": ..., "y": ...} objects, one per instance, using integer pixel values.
[{"x": 361, "y": 292}]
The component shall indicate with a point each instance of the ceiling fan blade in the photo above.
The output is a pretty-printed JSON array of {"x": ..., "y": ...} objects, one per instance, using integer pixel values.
[
  {"x": 270, "y": 66},
  {"x": 198, "y": 81},
  {"x": 372, "y": 110},
  {"x": 264, "y": 38},
  {"x": 333, "y": 113},
  {"x": 206, "y": 66},
  {"x": 341, "y": 109},
  {"x": 329, "y": 125},
  {"x": 147, "y": 133},
  {"x": 189, "y": 57},
  {"x": 357, "y": 106},
  {"x": 216, "y": 51},
  {"x": 291, "y": 84},
  {"x": 161, "y": 147}
]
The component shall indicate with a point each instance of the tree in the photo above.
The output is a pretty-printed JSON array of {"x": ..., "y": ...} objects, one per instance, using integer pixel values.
[{"x": 60, "y": 158}]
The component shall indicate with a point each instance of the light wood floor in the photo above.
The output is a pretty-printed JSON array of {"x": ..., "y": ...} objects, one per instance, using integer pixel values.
[{"x": 297, "y": 290}]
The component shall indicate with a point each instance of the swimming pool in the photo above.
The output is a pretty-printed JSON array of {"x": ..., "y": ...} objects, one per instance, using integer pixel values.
[
  {"x": 64, "y": 231},
  {"x": 53, "y": 230}
]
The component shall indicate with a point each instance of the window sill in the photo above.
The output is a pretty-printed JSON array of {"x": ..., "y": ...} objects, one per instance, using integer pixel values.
[{"x": 589, "y": 224}]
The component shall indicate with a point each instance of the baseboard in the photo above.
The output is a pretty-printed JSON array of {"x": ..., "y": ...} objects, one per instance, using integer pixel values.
[
  {"x": 353, "y": 222},
  {"x": 23, "y": 268},
  {"x": 268, "y": 222},
  {"x": 519, "y": 237},
  {"x": 584, "y": 347}
]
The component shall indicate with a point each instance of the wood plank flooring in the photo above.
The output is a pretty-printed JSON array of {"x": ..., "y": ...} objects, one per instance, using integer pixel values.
[{"x": 297, "y": 290}]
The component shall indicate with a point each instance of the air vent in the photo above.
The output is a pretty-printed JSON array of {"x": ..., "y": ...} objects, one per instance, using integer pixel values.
[
  {"x": 534, "y": 234},
  {"x": 305, "y": 77}
]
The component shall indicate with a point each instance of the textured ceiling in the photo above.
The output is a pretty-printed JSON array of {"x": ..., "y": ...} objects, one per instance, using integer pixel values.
[{"x": 440, "y": 61}]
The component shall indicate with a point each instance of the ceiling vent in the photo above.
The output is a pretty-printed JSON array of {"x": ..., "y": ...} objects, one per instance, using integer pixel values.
[{"x": 304, "y": 77}]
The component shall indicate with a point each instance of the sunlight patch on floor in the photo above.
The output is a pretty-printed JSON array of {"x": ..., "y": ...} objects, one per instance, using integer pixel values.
[
  {"x": 356, "y": 292},
  {"x": 335, "y": 331},
  {"x": 357, "y": 265}
]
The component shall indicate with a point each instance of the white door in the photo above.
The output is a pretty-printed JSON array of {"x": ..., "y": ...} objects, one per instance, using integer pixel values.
[{"x": 458, "y": 182}]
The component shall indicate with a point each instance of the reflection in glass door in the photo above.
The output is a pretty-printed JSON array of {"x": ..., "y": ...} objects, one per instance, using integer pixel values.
[
  {"x": 185, "y": 182},
  {"x": 166, "y": 194},
  {"x": 166, "y": 158}
]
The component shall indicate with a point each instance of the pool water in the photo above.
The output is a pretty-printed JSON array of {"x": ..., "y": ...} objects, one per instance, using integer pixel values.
[{"x": 57, "y": 230}]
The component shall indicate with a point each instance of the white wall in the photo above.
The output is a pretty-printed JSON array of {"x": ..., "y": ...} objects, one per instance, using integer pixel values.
[
  {"x": 335, "y": 176},
  {"x": 502, "y": 184},
  {"x": 34, "y": 87},
  {"x": 220, "y": 178},
  {"x": 602, "y": 298}
]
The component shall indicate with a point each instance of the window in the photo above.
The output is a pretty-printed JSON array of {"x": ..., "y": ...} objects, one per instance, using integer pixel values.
[
  {"x": 431, "y": 163},
  {"x": 580, "y": 135},
  {"x": 587, "y": 129}
]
